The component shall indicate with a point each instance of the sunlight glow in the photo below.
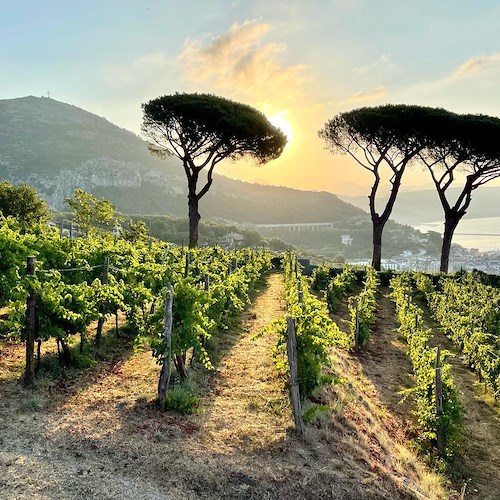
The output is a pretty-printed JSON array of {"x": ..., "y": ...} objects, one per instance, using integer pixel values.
[{"x": 279, "y": 120}]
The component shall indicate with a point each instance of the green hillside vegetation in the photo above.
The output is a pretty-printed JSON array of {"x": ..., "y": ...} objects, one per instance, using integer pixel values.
[
  {"x": 174, "y": 230},
  {"x": 328, "y": 242},
  {"x": 45, "y": 135}
]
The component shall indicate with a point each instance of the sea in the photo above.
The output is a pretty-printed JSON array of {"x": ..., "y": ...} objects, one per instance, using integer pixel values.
[{"x": 483, "y": 234}]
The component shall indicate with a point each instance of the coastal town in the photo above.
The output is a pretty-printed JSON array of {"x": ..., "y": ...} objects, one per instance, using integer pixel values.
[{"x": 461, "y": 258}]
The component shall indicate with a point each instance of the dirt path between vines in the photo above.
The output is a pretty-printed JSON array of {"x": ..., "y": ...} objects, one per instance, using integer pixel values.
[
  {"x": 387, "y": 366},
  {"x": 385, "y": 361},
  {"x": 247, "y": 408}
]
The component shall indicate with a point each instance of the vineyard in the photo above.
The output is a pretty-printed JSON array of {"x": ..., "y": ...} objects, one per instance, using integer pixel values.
[{"x": 149, "y": 370}]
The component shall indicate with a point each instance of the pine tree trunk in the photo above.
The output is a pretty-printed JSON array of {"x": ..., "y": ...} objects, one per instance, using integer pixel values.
[
  {"x": 378, "y": 228},
  {"x": 194, "y": 219},
  {"x": 449, "y": 228}
]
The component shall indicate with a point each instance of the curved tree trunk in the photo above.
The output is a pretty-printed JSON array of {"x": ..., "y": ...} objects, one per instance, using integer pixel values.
[
  {"x": 450, "y": 225},
  {"x": 378, "y": 228},
  {"x": 379, "y": 220},
  {"x": 194, "y": 219}
]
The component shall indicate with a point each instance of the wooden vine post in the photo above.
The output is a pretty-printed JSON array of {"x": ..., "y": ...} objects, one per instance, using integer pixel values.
[
  {"x": 30, "y": 328},
  {"x": 356, "y": 329},
  {"x": 100, "y": 322},
  {"x": 186, "y": 266},
  {"x": 439, "y": 402},
  {"x": 164, "y": 380},
  {"x": 294, "y": 377},
  {"x": 206, "y": 282}
]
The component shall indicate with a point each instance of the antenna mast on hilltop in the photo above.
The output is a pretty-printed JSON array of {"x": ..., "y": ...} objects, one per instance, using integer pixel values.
[{"x": 48, "y": 94}]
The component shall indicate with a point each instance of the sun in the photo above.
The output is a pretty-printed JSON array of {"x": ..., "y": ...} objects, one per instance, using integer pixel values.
[{"x": 279, "y": 120}]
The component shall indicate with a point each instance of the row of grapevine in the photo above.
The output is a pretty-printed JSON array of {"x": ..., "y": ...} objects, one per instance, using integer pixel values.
[
  {"x": 439, "y": 424},
  {"x": 469, "y": 312},
  {"x": 199, "y": 310},
  {"x": 315, "y": 331},
  {"x": 71, "y": 291},
  {"x": 339, "y": 287},
  {"x": 362, "y": 309}
]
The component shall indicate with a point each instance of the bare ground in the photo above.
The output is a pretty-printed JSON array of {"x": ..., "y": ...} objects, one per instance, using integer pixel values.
[
  {"x": 385, "y": 361},
  {"x": 98, "y": 435}
]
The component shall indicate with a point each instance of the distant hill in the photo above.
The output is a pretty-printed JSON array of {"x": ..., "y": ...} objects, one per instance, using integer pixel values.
[
  {"x": 418, "y": 207},
  {"x": 57, "y": 147}
]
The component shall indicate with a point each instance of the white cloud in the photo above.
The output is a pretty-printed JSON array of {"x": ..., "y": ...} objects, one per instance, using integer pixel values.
[
  {"x": 140, "y": 71},
  {"x": 478, "y": 65},
  {"x": 369, "y": 95},
  {"x": 383, "y": 62},
  {"x": 241, "y": 63}
]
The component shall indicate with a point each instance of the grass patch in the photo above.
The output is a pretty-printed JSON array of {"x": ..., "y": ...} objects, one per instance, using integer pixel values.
[
  {"x": 182, "y": 399},
  {"x": 32, "y": 403},
  {"x": 314, "y": 413}
]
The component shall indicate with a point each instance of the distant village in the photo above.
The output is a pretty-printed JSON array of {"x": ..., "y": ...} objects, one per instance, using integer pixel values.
[{"x": 460, "y": 259}]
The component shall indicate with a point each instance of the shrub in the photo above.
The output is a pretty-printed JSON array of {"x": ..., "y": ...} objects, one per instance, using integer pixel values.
[{"x": 181, "y": 398}]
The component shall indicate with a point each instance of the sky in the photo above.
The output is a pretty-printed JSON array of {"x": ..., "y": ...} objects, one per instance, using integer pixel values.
[{"x": 300, "y": 62}]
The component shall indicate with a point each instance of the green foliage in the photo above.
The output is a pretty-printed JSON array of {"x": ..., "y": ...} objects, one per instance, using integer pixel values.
[
  {"x": 181, "y": 398},
  {"x": 423, "y": 358},
  {"x": 32, "y": 403},
  {"x": 23, "y": 204},
  {"x": 313, "y": 412},
  {"x": 339, "y": 287},
  {"x": 316, "y": 332},
  {"x": 210, "y": 125},
  {"x": 70, "y": 298},
  {"x": 320, "y": 277},
  {"x": 198, "y": 313},
  {"x": 135, "y": 232},
  {"x": 90, "y": 213},
  {"x": 82, "y": 360},
  {"x": 362, "y": 307},
  {"x": 470, "y": 315},
  {"x": 384, "y": 131}
]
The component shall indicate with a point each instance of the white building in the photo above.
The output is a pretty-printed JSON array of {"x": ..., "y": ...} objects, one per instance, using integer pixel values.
[
  {"x": 346, "y": 239},
  {"x": 231, "y": 240}
]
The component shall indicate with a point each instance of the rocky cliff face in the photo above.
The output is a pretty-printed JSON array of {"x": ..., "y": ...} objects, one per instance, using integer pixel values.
[{"x": 95, "y": 174}]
